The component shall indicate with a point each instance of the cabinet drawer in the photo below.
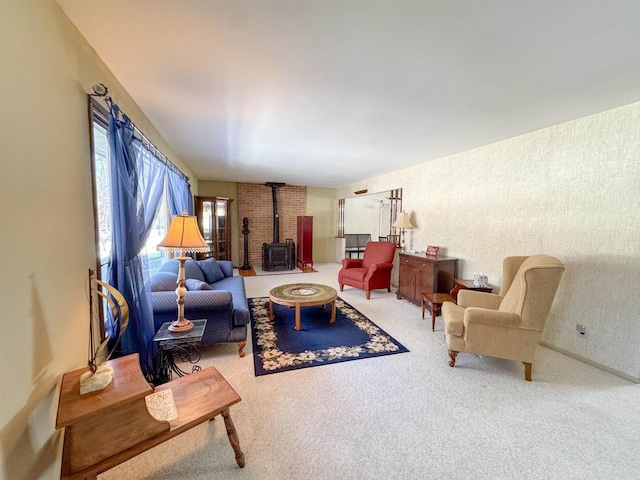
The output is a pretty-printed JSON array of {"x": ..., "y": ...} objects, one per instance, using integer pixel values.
[{"x": 414, "y": 262}]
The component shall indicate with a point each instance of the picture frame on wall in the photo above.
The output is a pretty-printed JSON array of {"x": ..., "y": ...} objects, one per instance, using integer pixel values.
[{"x": 432, "y": 251}]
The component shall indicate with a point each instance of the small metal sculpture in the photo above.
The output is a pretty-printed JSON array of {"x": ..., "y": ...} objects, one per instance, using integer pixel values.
[{"x": 99, "y": 375}]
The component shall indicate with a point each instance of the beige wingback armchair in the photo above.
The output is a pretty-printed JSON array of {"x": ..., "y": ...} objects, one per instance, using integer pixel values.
[{"x": 507, "y": 325}]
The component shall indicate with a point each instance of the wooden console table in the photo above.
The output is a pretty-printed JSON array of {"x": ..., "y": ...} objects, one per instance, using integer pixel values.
[
  {"x": 420, "y": 274},
  {"x": 107, "y": 427}
]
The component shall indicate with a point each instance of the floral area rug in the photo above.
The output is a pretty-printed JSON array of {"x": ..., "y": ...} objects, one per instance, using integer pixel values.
[{"x": 278, "y": 347}]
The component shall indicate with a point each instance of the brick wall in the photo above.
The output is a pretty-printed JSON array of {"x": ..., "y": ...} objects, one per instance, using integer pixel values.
[{"x": 255, "y": 201}]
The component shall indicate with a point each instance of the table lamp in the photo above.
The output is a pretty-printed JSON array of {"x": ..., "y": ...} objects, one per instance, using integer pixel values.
[
  {"x": 402, "y": 222},
  {"x": 183, "y": 236}
]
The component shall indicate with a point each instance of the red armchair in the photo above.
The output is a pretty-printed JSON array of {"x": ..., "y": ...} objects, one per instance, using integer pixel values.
[{"x": 371, "y": 272}]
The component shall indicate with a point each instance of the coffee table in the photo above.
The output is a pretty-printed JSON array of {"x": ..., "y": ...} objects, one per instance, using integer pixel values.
[{"x": 300, "y": 295}]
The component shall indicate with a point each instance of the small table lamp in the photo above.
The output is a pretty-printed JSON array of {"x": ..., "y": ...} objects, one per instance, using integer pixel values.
[
  {"x": 183, "y": 236},
  {"x": 402, "y": 222}
]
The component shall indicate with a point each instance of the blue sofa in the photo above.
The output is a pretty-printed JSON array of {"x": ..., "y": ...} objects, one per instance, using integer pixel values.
[{"x": 213, "y": 293}]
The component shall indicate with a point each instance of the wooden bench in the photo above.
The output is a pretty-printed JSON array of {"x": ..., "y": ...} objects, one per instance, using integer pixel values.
[
  {"x": 110, "y": 426},
  {"x": 356, "y": 243}
]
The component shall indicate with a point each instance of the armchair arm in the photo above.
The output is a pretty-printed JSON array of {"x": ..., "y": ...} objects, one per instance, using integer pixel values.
[
  {"x": 351, "y": 262},
  {"x": 379, "y": 267},
  {"x": 472, "y": 298},
  {"x": 490, "y": 317}
]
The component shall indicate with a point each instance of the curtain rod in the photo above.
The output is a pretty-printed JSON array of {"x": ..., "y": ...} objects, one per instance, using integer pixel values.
[{"x": 100, "y": 90}]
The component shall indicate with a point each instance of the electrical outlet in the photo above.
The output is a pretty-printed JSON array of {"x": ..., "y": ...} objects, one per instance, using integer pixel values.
[{"x": 581, "y": 329}]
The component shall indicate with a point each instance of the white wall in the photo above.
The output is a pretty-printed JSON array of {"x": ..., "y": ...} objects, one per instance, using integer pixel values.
[
  {"x": 572, "y": 191},
  {"x": 46, "y": 222},
  {"x": 362, "y": 214}
]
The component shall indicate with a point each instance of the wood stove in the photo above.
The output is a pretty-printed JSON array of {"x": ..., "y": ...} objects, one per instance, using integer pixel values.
[{"x": 277, "y": 255}]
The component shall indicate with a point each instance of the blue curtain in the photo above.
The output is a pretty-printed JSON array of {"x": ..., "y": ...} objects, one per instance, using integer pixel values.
[
  {"x": 137, "y": 181},
  {"x": 179, "y": 190},
  {"x": 151, "y": 176}
]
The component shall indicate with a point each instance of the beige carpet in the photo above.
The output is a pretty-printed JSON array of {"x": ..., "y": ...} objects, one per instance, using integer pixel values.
[{"x": 409, "y": 416}]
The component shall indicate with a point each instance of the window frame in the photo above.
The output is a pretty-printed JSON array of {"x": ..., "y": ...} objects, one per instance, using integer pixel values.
[{"x": 97, "y": 114}]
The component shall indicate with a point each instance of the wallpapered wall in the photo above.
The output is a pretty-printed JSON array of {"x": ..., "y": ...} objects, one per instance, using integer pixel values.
[{"x": 572, "y": 191}]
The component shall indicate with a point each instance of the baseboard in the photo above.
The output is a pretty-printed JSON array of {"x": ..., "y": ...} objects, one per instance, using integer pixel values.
[{"x": 591, "y": 362}]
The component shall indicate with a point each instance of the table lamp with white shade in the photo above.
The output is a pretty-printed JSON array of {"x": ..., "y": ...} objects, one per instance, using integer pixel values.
[
  {"x": 402, "y": 222},
  {"x": 183, "y": 236}
]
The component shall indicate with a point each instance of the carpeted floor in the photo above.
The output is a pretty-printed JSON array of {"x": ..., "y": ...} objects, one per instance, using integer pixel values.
[
  {"x": 408, "y": 416},
  {"x": 278, "y": 347}
]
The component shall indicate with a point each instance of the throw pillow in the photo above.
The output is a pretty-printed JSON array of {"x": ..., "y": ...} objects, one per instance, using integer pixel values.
[
  {"x": 211, "y": 269},
  {"x": 193, "y": 284},
  {"x": 163, "y": 282}
]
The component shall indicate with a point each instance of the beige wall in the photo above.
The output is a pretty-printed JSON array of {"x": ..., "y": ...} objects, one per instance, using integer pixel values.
[
  {"x": 46, "y": 222},
  {"x": 571, "y": 190},
  {"x": 322, "y": 204}
]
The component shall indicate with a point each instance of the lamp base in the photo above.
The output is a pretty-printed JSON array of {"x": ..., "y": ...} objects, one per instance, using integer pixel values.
[{"x": 182, "y": 325}]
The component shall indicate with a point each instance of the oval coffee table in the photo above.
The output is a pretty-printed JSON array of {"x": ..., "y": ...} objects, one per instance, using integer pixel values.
[{"x": 300, "y": 295}]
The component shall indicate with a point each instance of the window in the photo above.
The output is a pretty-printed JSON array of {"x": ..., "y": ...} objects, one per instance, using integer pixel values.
[
  {"x": 151, "y": 257},
  {"x": 101, "y": 186}
]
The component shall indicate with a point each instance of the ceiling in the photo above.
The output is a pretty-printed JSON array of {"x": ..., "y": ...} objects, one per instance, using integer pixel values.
[{"x": 331, "y": 92}]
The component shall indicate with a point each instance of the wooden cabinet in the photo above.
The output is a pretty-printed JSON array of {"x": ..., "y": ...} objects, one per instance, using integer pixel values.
[
  {"x": 214, "y": 218},
  {"x": 304, "y": 248},
  {"x": 420, "y": 274}
]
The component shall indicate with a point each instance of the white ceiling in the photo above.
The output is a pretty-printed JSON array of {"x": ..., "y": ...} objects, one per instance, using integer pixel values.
[{"x": 331, "y": 92}]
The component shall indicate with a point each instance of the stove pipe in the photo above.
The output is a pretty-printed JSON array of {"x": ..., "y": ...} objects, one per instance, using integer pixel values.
[{"x": 276, "y": 220}]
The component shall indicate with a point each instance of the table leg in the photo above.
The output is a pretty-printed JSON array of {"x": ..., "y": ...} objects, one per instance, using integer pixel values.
[
  {"x": 297, "y": 316},
  {"x": 270, "y": 310},
  {"x": 333, "y": 312},
  {"x": 434, "y": 306},
  {"x": 233, "y": 437}
]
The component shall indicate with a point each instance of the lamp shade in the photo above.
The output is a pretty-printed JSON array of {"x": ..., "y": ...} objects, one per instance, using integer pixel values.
[
  {"x": 403, "y": 221},
  {"x": 184, "y": 236}
]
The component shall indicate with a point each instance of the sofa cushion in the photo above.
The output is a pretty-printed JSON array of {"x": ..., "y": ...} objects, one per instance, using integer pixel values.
[
  {"x": 357, "y": 274},
  {"x": 211, "y": 270},
  {"x": 191, "y": 269},
  {"x": 227, "y": 267},
  {"x": 163, "y": 281},
  {"x": 194, "y": 284}
]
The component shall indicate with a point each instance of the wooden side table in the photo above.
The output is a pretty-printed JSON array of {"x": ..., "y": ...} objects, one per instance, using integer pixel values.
[
  {"x": 183, "y": 344},
  {"x": 109, "y": 426},
  {"x": 433, "y": 301},
  {"x": 460, "y": 284}
]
